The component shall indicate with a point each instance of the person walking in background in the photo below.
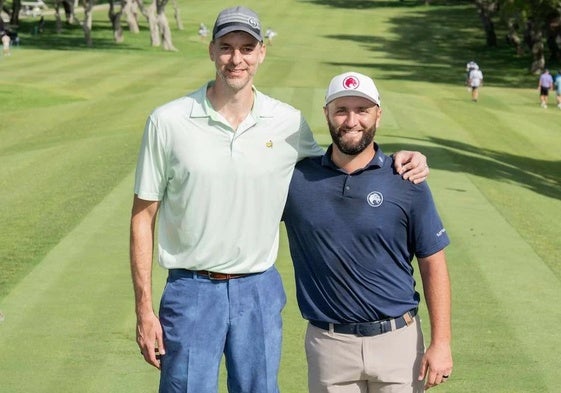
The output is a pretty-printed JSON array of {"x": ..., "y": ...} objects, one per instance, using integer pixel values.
[
  {"x": 544, "y": 85},
  {"x": 269, "y": 35},
  {"x": 213, "y": 174},
  {"x": 475, "y": 81},
  {"x": 202, "y": 32},
  {"x": 557, "y": 84},
  {"x": 6, "y": 42},
  {"x": 5, "y": 38},
  {"x": 471, "y": 65},
  {"x": 354, "y": 226}
]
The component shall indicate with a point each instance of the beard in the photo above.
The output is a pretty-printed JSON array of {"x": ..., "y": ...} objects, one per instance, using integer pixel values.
[{"x": 351, "y": 148}]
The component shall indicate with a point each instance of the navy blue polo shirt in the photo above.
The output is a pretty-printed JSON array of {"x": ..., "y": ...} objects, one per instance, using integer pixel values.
[{"x": 353, "y": 238}]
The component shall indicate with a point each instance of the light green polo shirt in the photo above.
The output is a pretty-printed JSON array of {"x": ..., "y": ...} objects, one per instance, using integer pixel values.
[{"x": 222, "y": 191}]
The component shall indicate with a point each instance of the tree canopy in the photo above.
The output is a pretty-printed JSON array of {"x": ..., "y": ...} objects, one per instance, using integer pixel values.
[{"x": 534, "y": 25}]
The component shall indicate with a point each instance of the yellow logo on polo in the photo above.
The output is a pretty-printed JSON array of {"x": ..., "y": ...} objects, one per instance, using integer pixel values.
[{"x": 269, "y": 144}]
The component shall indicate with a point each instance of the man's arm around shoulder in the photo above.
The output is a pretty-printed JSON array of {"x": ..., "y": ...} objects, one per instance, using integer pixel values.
[{"x": 411, "y": 165}]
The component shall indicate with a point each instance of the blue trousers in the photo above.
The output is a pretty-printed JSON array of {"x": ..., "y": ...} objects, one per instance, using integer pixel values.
[{"x": 205, "y": 319}]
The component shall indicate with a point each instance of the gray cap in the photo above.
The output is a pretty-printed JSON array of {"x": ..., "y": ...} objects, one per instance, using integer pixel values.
[{"x": 237, "y": 19}]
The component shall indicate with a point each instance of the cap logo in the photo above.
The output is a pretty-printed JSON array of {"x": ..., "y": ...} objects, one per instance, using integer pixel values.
[
  {"x": 253, "y": 22},
  {"x": 351, "y": 82}
]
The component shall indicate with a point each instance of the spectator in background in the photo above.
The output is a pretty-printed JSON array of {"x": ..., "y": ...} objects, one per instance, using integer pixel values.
[
  {"x": 269, "y": 35},
  {"x": 475, "y": 81},
  {"x": 544, "y": 85},
  {"x": 470, "y": 66},
  {"x": 5, "y": 38},
  {"x": 6, "y": 41},
  {"x": 203, "y": 32},
  {"x": 557, "y": 84}
]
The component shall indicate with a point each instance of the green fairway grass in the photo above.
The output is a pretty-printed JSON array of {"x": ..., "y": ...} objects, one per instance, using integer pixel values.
[{"x": 72, "y": 117}]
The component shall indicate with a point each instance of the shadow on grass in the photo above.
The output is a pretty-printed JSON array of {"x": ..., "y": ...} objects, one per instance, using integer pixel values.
[
  {"x": 540, "y": 176},
  {"x": 369, "y": 4},
  {"x": 434, "y": 43},
  {"x": 71, "y": 37}
]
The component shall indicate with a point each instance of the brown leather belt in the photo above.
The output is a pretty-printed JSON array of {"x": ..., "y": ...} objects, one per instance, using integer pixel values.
[{"x": 218, "y": 276}]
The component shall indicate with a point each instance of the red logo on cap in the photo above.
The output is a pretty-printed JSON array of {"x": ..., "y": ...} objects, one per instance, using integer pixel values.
[{"x": 350, "y": 82}]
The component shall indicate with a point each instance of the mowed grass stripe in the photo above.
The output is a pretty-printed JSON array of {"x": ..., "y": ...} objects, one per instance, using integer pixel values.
[
  {"x": 75, "y": 311},
  {"x": 32, "y": 224},
  {"x": 34, "y": 66},
  {"x": 516, "y": 281},
  {"x": 474, "y": 204},
  {"x": 494, "y": 269}
]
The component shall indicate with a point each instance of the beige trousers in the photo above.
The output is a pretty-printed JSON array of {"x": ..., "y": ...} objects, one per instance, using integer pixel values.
[{"x": 345, "y": 363}]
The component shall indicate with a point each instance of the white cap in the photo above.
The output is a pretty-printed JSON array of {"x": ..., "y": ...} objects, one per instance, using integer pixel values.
[{"x": 352, "y": 84}]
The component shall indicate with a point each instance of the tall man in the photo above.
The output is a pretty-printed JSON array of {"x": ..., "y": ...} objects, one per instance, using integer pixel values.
[
  {"x": 214, "y": 169},
  {"x": 354, "y": 226}
]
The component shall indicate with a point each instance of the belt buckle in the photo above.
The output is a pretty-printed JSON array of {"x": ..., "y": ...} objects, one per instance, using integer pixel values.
[
  {"x": 212, "y": 276},
  {"x": 385, "y": 326}
]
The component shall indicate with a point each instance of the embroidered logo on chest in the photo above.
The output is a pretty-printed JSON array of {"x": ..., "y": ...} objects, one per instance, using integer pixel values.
[{"x": 375, "y": 198}]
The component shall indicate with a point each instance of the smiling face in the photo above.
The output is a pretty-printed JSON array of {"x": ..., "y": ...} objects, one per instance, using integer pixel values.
[
  {"x": 237, "y": 56},
  {"x": 352, "y": 123}
]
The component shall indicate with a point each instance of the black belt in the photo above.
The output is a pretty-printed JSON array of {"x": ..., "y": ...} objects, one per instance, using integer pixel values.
[{"x": 366, "y": 329}]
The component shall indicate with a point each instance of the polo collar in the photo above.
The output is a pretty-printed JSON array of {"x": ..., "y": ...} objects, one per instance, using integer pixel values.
[
  {"x": 377, "y": 161},
  {"x": 203, "y": 107}
]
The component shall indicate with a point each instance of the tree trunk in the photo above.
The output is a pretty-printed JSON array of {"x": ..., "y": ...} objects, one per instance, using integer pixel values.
[
  {"x": 489, "y": 27},
  {"x": 130, "y": 11},
  {"x": 5, "y": 10},
  {"x": 58, "y": 20},
  {"x": 513, "y": 38},
  {"x": 165, "y": 32},
  {"x": 486, "y": 10},
  {"x": 163, "y": 26},
  {"x": 554, "y": 37},
  {"x": 115, "y": 18},
  {"x": 535, "y": 38},
  {"x": 16, "y": 8},
  {"x": 69, "y": 11},
  {"x": 159, "y": 26},
  {"x": 153, "y": 24},
  {"x": 177, "y": 16},
  {"x": 87, "y": 22}
]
